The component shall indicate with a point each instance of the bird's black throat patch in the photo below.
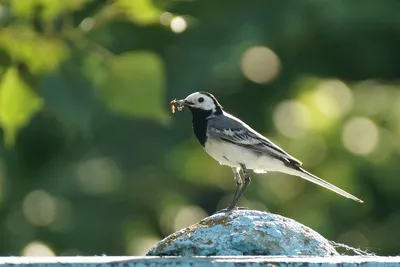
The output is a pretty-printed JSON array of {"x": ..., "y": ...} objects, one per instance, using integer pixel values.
[{"x": 200, "y": 123}]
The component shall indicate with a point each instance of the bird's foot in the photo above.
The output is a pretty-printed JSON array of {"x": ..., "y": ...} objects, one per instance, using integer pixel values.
[{"x": 230, "y": 208}]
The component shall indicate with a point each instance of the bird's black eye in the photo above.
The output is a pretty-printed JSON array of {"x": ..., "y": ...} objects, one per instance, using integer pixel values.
[{"x": 201, "y": 99}]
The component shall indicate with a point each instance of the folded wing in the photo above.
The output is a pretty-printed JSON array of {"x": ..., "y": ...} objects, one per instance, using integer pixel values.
[{"x": 252, "y": 140}]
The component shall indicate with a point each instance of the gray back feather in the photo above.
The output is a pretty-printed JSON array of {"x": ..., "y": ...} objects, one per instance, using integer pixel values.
[{"x": 230, "y": 129}]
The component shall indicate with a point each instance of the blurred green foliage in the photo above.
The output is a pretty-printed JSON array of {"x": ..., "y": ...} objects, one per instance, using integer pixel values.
[{"x": 92, "y": 161}]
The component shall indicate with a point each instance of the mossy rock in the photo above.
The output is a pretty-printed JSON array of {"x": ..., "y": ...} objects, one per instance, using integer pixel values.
[{"x": 244, "y": 232}]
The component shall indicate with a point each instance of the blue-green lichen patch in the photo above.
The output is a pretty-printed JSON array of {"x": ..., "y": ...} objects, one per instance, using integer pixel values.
[{"x": 244, "y": 232}]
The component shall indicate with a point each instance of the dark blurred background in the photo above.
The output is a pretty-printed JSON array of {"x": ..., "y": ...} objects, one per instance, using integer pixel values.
[{"x": 92, "y": 161}]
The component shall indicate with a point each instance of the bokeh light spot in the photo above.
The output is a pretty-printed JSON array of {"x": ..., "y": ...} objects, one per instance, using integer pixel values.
[
  {"x": 168, "y": 211},
  {"x": 37, "y": 249},
  {"x": 360, "y": 135},
  {"x": 140, "y": 246},
  {"x": 98, "y": 176},
  {"x": 178, "y": 24},
  {"x": 39, "y": 208},
  {"x": 291, "y": 118},
  {"x": 311, "y": 149},
  {"x": 372, "y": 98},
  {"x": 333, "y": 98},
  {"x": 166, "y": 18},
  {"x": 260, "y": 64},
  {"x": 187, "y": 216},
  {"x": 3, "y": 12},
  {"x": 87, "y": 24},
  {"x": 280, "y": 188}
]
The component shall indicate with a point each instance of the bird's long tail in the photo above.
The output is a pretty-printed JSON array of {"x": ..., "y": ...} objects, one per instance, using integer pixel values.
[{"x": 316, "y": 180}]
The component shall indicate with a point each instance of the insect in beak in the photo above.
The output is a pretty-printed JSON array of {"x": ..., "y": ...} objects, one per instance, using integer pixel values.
[{"x": 177, "y": 104}]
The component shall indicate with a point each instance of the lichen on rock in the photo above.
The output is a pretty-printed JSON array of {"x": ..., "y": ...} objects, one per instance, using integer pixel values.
[{"x": 244, "y": 232}]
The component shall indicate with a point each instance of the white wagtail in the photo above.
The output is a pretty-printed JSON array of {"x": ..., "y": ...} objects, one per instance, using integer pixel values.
[{"x": 232, "y": 142}]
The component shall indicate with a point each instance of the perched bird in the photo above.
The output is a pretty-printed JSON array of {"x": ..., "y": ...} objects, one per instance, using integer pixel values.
[{"x": 233, "y": 143}]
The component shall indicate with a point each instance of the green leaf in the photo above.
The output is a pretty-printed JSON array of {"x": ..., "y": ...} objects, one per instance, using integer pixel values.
[
  {"x": 133, "y": 84},
  {"x": 23, "y": 8},
  {"x": 40, "y": 53},
  {"x": 18, "y": 103},
  {"x": 140, "y": 11},
  {"x": 51, "y": 8}
]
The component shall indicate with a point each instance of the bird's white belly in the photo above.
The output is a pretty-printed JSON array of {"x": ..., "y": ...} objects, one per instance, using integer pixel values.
[{"x": 232, "y": 155}]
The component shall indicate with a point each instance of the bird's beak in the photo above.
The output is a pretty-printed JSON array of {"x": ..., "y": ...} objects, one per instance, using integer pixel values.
[
  {"x": 184, "y": 102},
  {"x": 179, "y": 104}
]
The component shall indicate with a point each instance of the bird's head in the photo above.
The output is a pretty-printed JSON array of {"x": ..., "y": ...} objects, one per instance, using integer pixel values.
[{"x": 201, "y": 102}]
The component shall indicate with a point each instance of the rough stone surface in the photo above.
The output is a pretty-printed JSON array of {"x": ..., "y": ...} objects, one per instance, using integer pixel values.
[
  {"x": 244, "y": 232},
  {"x": 217, "y": 261},
  {"x": 233, "y": 261}
]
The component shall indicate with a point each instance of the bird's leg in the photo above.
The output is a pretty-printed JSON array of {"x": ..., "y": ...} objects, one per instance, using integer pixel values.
[
  {"x": 239, "y": 182},
  {"x": 247, "y": 181}
]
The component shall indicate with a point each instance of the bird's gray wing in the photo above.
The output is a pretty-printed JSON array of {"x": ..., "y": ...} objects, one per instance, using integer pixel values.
[
  {"x": 238, "y": 133},
  {"x": 233, "y": 130}
]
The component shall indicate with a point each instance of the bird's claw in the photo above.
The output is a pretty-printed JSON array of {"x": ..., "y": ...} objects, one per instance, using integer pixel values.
[{"x": 230, "y": 208}]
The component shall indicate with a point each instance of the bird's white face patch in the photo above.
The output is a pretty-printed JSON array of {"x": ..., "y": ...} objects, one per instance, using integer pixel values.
[{"x": 201, "y": 101}]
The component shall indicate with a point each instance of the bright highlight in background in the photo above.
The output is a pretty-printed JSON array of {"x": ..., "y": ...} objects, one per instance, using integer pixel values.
[
  {"x": 360, "y": 136},
  {"x": 291, "y": 118},
  {"x": 260, "y": 64},
  {"x": 87, "y": 24},
  {"x": 37, "y": 249},
  {"x": 333, "y": 98},
  {"x": 166, "y": 18},
  {"x": 187, "y": 216},
  {"x": 178, "y": 24},
  {"x": 141, "y": 245},
  {"x": 39, "y": 208},
  {"x": 98, "y": 176}
]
